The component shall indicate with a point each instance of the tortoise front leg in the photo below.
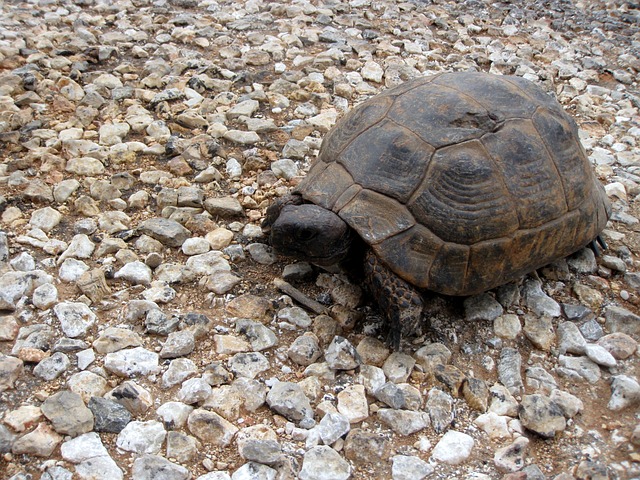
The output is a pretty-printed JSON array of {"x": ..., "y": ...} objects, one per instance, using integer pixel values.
[{"x": 398, "y": 300}]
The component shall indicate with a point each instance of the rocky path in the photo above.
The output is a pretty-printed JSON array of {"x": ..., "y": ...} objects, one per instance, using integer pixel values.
[{"x": 141, "y": 333}]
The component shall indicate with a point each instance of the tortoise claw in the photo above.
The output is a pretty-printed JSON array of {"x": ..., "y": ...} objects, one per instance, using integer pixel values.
[
  {"x": 598, "y": 245},
  {"x": 394, "y": 336}
]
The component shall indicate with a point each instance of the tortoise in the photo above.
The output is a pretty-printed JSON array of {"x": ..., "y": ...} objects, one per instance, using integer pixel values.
[{"x": 455, "y": 183}]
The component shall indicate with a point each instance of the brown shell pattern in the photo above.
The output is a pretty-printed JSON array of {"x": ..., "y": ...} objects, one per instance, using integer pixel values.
[{"x": 462, "y": 181}]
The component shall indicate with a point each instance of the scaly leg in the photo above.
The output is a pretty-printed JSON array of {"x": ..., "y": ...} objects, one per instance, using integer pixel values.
[{"x": 398, "y": 300}]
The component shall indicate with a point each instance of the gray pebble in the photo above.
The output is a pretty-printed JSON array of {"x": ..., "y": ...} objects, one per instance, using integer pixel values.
[
  {"x": 67, "y": 413},
  {"x": 109, "y": 416},
  {"x": 404, "y": 422},
  {"x": 169, "y": 232},
  {"x": 583, "y": 261},
  {"x": 408, "y": 467},
  {"x": 194, "y": 390},
  {"x": 259, "y": 336},
  {"x": 261, "y": 450},
  {"x": 619, "y": 319},
  {"x": 295, "y": 272},
  {"x": 398, "y": 366},
  {"x": 221, "y": 282},
  {"x": 570, "y": 339},
  {"x": 159, "y": 323},
  {"x": 591, "y": 330},
  {"x": 261, "y": 253},
  {"x": 305, "y": 350},
  {"x": 332, "y": 427},
  {"x": 248, "y": 365},
  {"x": 341, "y": 354},
  {"x": 539, "y": 302},
  {"x": 481, "y": 307},
  {"x": 288, "y": 399},
  {"x": 52, "y": 367},
  {"x": 254, "y": 471},
  {"x": 324, "y": 463},
  {"x": 541, "y": 415},
  {"x": 440, "y": 408},
  {"x": 509, "y": 370},
  {"x": 178, "y": 344},
  {"x": 153, "y": 467},
  {"x": 625, "y": 392},
  {"x": 224, "y": 207},
  {"x": 296, "y": 316},
  {"x": 581, "y": 367},
  {"x": 181, "y": 447},
  {"x": 284, "y": 168}
]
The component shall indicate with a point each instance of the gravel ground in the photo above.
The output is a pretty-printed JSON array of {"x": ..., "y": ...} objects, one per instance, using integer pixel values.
[{"x": 142, "y": 334}]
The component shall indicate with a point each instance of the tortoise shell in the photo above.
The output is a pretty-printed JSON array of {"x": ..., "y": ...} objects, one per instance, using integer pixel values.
[{"x": 460, "y": 182}]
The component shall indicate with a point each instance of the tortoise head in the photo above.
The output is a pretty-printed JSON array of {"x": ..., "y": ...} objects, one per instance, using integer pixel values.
[{"x": 307, "y": 232}]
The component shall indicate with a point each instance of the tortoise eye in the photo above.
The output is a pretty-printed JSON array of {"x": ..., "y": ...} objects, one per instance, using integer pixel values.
[{"x": 306, "y": 234}]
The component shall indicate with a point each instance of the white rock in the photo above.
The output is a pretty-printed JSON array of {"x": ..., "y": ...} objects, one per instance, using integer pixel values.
[
  {"x": 625, "y": 392},
  {"x": 600, "y": 355},
  {"x": 85, "y": 166},
  {"x": 174, "y": 414},
  {"x": 136, "y": 273},
  {"x": 79, "y": 247},
  {"x": 71, "y": 270},
  {"x": 494, "y": 425},
  {"x": 352, "y": 403},
  {"x": 45, "y": 296},
  {"x": 207, "y": 263},
  {"x": 85, "y": 358},
  {"x": 132, "y": 362},
  {"x": 142, "y": 437},
  {"x": 46, "y": 219},
  {"x": 83, "y": 447},
  {"x": 195, "y": 246},
  {"x": 372, "y": 71},
  {"x": 111, "y": 134},
  {"x": 453, "y": 448},
  {"x": 75, "y": 318}
]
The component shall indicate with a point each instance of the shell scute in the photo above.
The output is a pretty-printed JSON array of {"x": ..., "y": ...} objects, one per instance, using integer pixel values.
[
  {"x": 388, "y": 159},
  {"x": 325, "y": 183},
  {"x": 449, "y": 269},
  {"x": 559, "y": 133},
  {"x": 361, "y": 118},
  {"x": 441, "y": 116},
  {"x": 463, "y": 199},
  {"x": 502, "y": 99},
  {"x": 415, "y": 250},
  {"x": 375, "y": 216},
  {"x": 529, "y": 172}
]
